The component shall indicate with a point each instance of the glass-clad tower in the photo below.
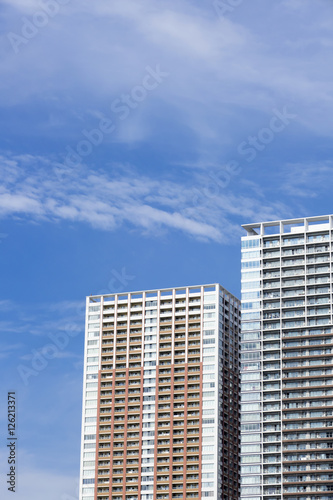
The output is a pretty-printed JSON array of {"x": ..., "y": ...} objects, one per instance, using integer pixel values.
[
  {"x": 161, "y": 396},
  {"x": 287, "y": 360}
]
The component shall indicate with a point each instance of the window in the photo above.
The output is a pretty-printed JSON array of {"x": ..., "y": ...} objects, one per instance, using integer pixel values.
[
  {"x": 250, "y": 417},
  {"x": 251, "y": 396},
  {"x": 209, "y": 341},
  {"x": 250, "y": 355},
  {"x": 251, "y": 438},
  {"x": 251, "y": 326},
  {"x": 251, "y": 376},
  {"x": 250, "y": 295},
  {"x": 250, "y": 255},
  {"x": 248, "y": 459},
  {"x": 251, "y": 264},
  {"x": 251, "y": 407},
  {"x": 249, "y": 275},
  {"x": 250, "y": 346},
  {"x": 250, "y": 427},
  {"x": 251, "y": 479},
  {"x": 250, "y": 366},
  {"x": 250, "y": 243},
  {"x": 253, "y": 386},
  {"x": 250, "y": 284},
  {"x": 250, "y": 315},
  {"x": 208, "y": 466},
  {"x": 250, "y": 448},
  {"x": 248, "y": 469},
  {"x": 250, "y": 305}
]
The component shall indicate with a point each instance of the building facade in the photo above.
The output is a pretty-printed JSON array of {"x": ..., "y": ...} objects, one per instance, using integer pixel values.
[
  {"x": 287, "y": 360},
  {"x": 161, "y": 396}
]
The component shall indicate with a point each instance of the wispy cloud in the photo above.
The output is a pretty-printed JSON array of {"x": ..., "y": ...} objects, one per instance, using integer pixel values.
[
  {"x": 6, "y": 305},
  {"x": 108, "y": 200},
  {"x": 42, "y": 319},
  {"x": 7, "y": 350},
  {"x": 220, "y": 68},
  {"x": 307, "y": 180}
]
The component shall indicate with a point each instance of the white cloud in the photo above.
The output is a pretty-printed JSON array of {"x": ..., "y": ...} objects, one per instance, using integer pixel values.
[
  {"x": 225, "y": 75},
  {"x": 42, "y": 319},
  {"x": 307, "y": 180},
  {"x": 16, "y": 203},
  {"x": 6, "y": 350},
  {"x": 6, "y": 305},
  {"x": 106, "y": 201},
  {"x": 220, "y": 68}
]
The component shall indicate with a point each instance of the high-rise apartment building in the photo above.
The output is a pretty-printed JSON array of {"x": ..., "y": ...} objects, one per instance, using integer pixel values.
[
  {"x": 287, "y": 360},
  {"x": 161, "y": 396}
]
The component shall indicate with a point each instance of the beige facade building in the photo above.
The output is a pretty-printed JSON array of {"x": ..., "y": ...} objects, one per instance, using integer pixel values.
[{"x": 161, "y": 396}]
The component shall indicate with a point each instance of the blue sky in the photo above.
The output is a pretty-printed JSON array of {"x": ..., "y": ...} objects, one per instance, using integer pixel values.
[{"x": 136, "y": 138}]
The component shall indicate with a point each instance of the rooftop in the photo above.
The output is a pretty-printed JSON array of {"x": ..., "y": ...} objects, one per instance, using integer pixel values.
[
  {"x": 301, "y": 225},
  {"x": 151, "y": 294}
]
